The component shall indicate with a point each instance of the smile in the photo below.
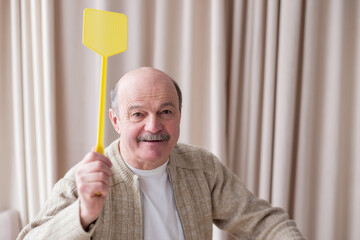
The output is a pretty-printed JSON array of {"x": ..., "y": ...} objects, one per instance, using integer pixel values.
[
  {"x": 153, "y": 138},
  {"x": 153, "y": 141}
]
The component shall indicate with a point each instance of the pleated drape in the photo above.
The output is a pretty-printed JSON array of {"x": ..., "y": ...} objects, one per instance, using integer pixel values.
[
  {"x": 293, "y": 109},
  {"x": 33, "y": 98}
]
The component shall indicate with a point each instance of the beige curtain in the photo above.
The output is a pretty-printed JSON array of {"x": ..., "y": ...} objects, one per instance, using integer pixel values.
[
  {"x": 27, "y": 117},
  {"x": 271, "y": 87},
  {"x": 293, "y": 109}
]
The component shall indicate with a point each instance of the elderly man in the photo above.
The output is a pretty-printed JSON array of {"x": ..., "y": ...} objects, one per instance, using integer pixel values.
[{"x": 147, "y": 186}]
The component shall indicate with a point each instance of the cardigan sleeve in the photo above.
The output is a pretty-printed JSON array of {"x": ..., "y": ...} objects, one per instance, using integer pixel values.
[
  {"x": 59, "y": 218},
  {"x": 238, "y": 211}
]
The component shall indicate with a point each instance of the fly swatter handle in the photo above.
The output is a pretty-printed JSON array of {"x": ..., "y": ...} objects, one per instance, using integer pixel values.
[{"x": 100, "y": 136}]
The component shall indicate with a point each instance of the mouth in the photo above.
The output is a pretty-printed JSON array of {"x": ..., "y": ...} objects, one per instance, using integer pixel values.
[
  {"x": 153, "y": 141},
  {"x": 153, "y": 138}
]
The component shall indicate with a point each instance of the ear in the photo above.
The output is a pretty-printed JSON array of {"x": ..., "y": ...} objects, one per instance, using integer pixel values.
[{"x": 114, "y": 120}]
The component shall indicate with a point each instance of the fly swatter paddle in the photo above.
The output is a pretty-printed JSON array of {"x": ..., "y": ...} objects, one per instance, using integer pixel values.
[{"x": 105, "y": 33}]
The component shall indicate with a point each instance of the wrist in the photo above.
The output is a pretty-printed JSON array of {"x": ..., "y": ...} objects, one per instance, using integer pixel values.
[{"x": 86, "y": 220}]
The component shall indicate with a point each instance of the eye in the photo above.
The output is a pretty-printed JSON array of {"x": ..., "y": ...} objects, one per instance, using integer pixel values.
[
  {"x": 166, "y": 112},
  {"x": 137, "y": 114}
]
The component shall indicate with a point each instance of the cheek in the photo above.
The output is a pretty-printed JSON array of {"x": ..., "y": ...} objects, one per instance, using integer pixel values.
[
  {"x": 174, "y": 127},
  {"x": 130, "y": 131}
]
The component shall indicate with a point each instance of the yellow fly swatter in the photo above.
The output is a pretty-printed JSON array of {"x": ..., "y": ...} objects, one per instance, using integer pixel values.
[{"x": 105, "y": 33}]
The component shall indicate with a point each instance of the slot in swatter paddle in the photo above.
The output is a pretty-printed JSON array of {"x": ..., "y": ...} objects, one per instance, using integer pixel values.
[{"x": 105, "y": 33}]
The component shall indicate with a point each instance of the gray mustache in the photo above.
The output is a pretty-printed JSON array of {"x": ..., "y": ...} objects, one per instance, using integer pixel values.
[{"x": 153, "y": 137}]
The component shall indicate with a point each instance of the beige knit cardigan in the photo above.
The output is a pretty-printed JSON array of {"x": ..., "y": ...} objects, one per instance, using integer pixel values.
[{"x": 205, "y": 191}]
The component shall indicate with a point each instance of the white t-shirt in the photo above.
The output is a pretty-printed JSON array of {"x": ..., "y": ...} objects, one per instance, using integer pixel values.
[{"x": 161, "y": 219}]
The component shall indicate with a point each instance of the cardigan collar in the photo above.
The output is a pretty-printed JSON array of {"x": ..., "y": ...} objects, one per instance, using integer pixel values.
[{"x": 122, "y": 173}]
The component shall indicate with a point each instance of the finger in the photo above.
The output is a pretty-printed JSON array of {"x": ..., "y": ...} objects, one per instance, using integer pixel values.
[
  {"x": 103, "y": 158},
  {"x": 96, "y": 166},
  {"x": 94, "y": 177},
  {"x": 90, "y": 190},
  {"x": 93, "y": 156}
]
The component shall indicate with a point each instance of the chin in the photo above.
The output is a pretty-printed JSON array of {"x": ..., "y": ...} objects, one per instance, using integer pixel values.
[
  {"x": 155, "y": 151},
  {"x": 154, "y": 156}
]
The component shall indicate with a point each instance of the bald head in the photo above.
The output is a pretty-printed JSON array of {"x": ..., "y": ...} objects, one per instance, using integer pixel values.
[{"x": 141, "y": 77}]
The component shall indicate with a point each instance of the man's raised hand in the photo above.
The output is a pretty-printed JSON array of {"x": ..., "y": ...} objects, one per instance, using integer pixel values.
[{"x": 93, "y": 182}]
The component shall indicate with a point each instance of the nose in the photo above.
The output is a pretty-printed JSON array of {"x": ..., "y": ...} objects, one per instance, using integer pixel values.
[{"x": 153, "y": 124}]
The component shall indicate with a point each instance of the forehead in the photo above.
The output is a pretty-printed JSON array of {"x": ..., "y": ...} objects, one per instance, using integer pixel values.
[{"x": 145, "y": 88}]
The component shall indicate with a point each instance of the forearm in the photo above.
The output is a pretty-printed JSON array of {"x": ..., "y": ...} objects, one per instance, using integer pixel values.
[
  {"x": 60, "y": 216},
  {"x": 64, "y": 225},
  {"x": 238, "y": 211}
]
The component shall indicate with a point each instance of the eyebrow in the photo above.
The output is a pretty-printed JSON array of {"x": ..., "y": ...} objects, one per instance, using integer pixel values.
[
  {"x": 167, "y": 104},
  {"x": 134, "y": 107}
]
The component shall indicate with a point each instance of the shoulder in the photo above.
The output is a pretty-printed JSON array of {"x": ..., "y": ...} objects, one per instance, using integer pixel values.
[
  {"x": 191, "y": 151},
  {"x": 193, "y": 157}
]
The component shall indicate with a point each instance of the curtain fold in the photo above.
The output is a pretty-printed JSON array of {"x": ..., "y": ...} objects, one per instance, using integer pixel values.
[
  {"x": 268, "y": 98},
  {"x": 49, "y": 94},
  {"x": 287, "y": 95},
  {"x": 17, "y": 112}
]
